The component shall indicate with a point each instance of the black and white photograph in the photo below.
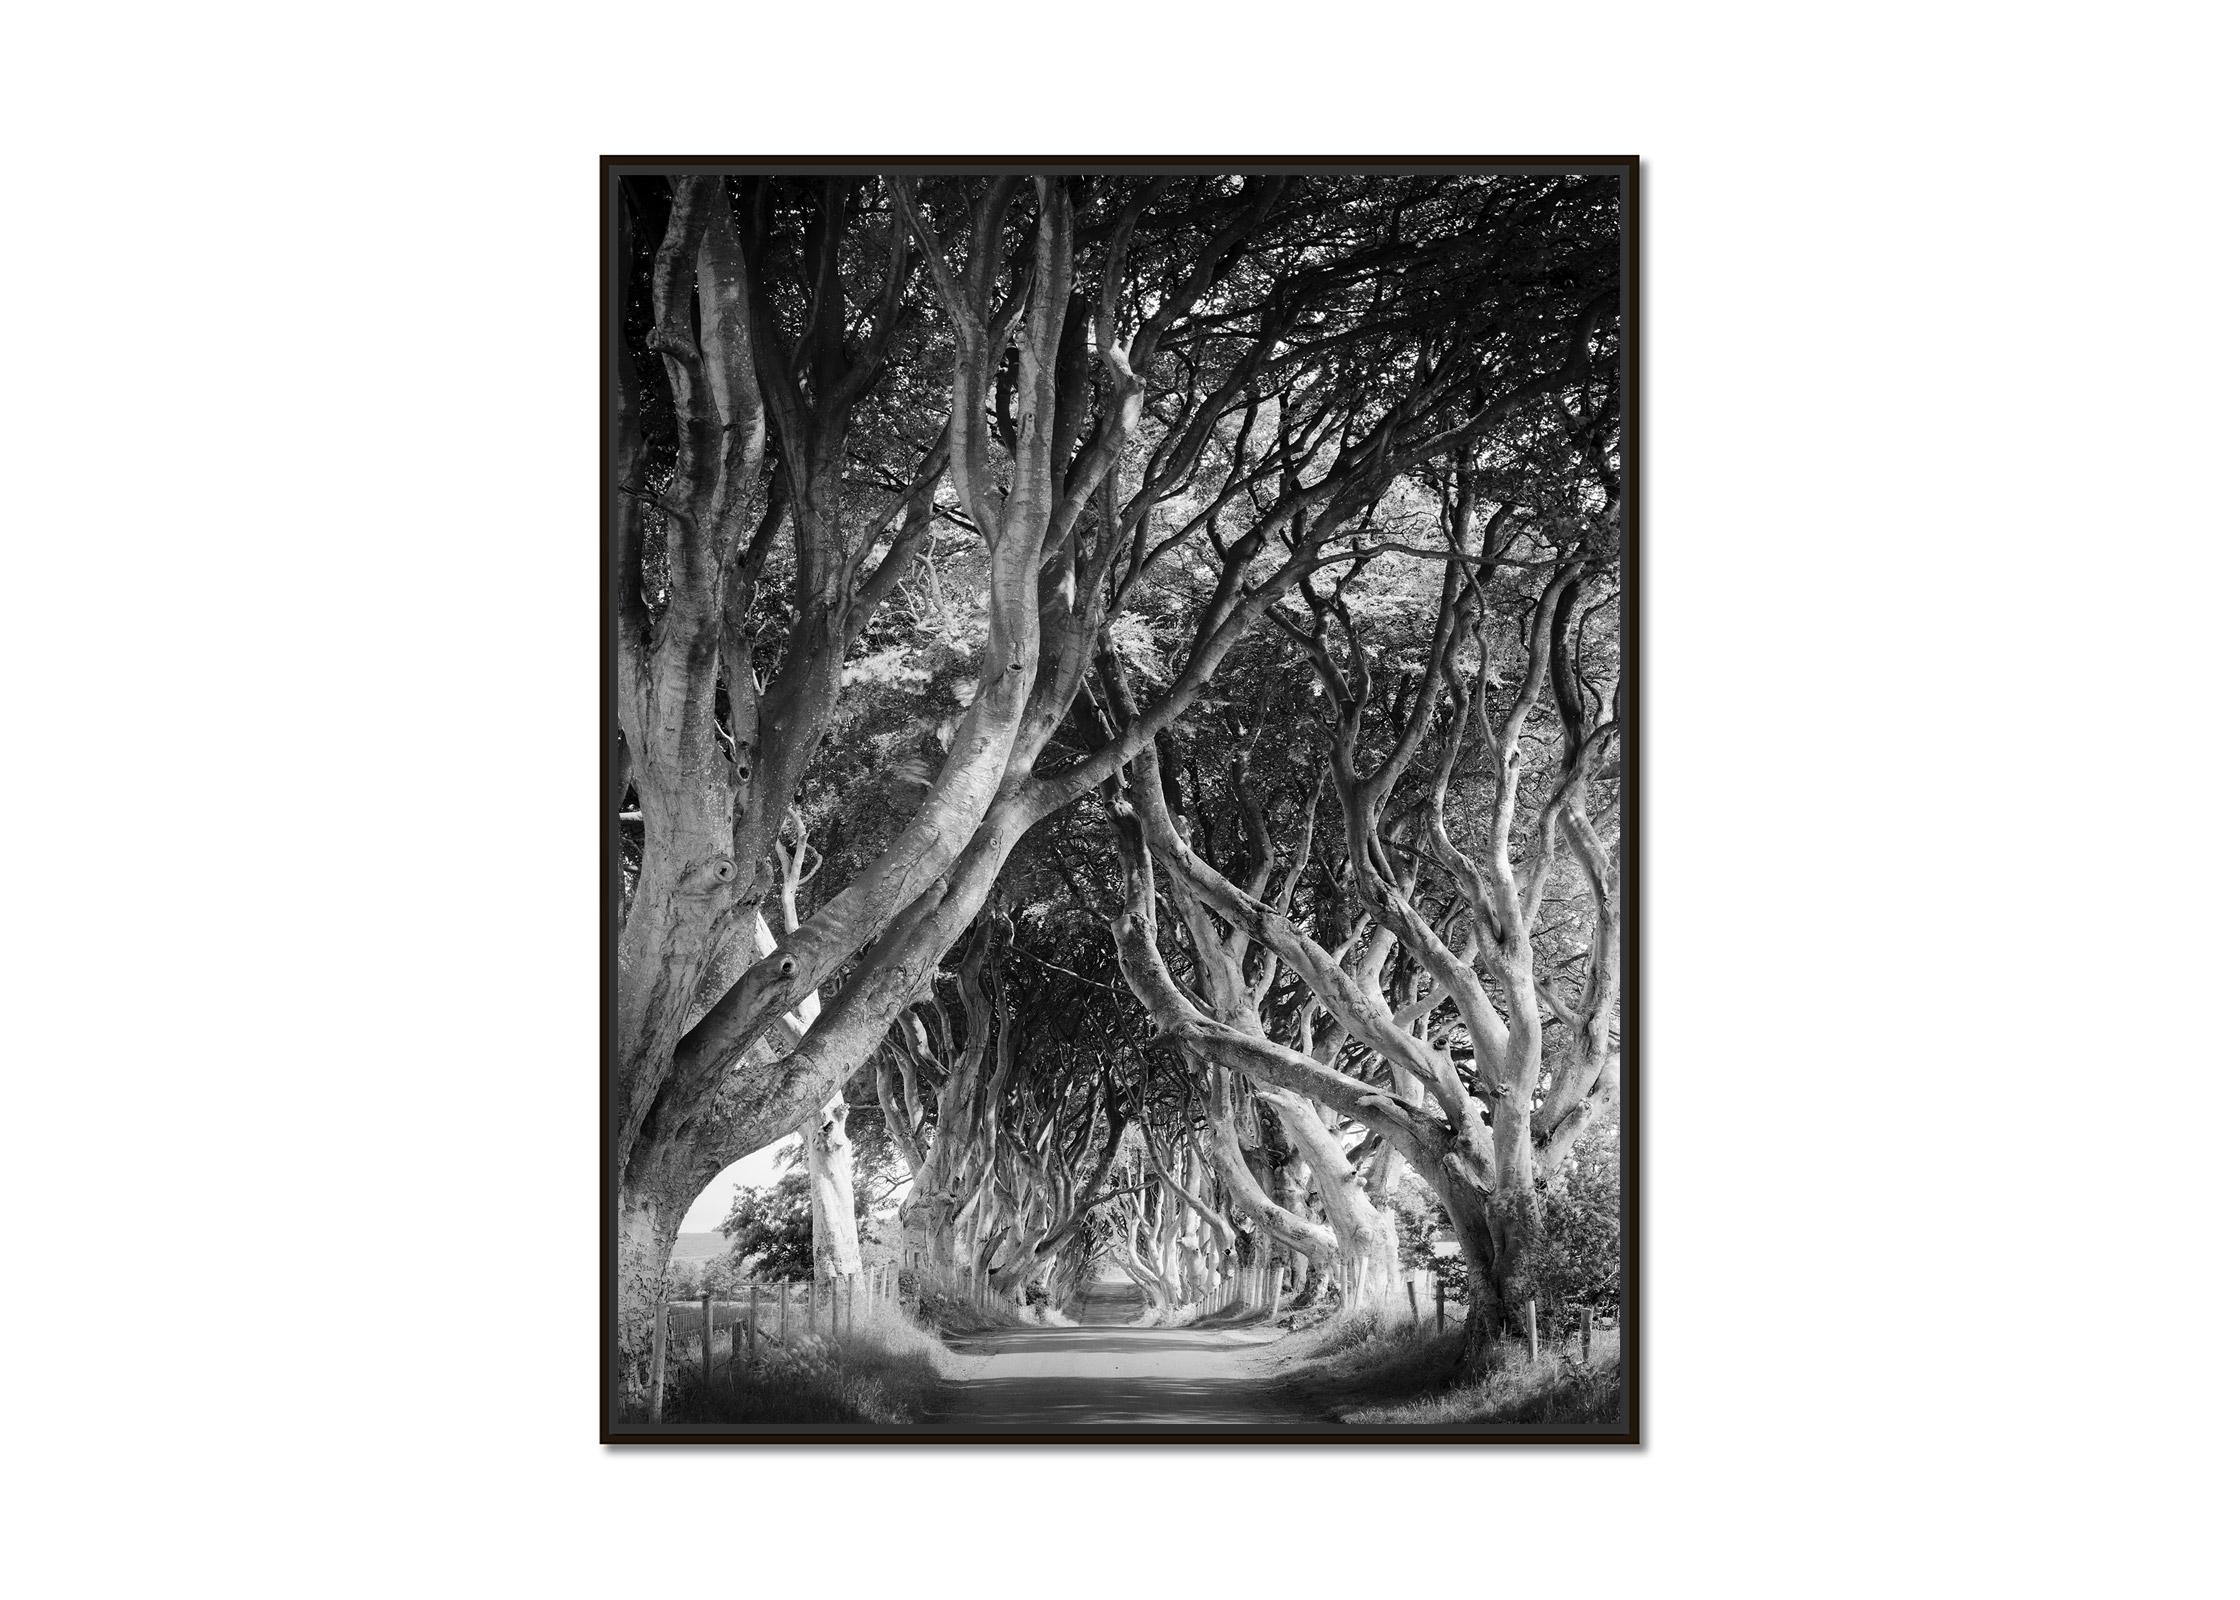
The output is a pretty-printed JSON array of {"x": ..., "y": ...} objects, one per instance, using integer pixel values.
[
  {"x": 1121, "y": 687},
  {"x": 1411, "y": 800}
]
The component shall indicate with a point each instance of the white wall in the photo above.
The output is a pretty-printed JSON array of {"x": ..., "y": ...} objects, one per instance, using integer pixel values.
[{"x": 1939, "y": 332}]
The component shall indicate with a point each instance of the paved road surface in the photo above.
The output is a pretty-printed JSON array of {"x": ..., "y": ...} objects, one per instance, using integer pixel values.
[{"x": 1106, "y": 1372}]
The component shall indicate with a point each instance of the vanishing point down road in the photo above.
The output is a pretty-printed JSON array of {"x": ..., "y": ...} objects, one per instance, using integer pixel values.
[{"x": 1108, "y": 1371}]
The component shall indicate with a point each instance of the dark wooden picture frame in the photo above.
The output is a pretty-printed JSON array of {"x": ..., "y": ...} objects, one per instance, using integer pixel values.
[{"x": 1628, "y": 717}]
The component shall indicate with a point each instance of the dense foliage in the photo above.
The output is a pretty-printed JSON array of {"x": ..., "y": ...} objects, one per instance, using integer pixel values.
[{"x": 1156, "y": 641}]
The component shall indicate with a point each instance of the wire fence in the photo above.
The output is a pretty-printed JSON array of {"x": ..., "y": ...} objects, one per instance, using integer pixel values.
[
  {"x": 782, "y": 1313},
  {"x": 1419, "y": 1297}
]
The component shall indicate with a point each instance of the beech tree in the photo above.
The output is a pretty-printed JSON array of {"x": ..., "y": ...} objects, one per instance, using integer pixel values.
[
  {"x": 1000, "y": 1114},
  {"x": 1354, "y": 1241},
  {"x": 1009, "y": 1163},
  {"x": 1092, "y": 377},
  {"x": 1451, "y": 1067}
]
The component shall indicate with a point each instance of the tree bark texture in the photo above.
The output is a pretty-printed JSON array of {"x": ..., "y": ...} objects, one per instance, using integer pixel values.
[{"x": 1133, "y": 363}]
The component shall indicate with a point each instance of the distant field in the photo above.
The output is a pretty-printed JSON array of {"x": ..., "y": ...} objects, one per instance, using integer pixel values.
[{"x": 698, "y": 1247}]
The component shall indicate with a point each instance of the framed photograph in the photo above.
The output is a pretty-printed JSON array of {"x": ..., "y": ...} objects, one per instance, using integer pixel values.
[{"x": 1119, "y": 810}]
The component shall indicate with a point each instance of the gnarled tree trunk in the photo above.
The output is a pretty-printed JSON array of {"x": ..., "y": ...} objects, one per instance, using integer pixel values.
[
  {"x": 1366, "y": 1262},
  {"x": 723, "y": 709},
  {"x": 832, "y": 1193}
]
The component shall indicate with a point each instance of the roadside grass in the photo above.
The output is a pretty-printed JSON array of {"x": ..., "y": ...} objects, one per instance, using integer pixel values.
[
  {"x": 1556, "y": 1388},
  {"x": 959, "y": 1314},
  {"x": 1334, "y": 1334},
  {"x": 1356, "y": 1368},
  {"x": 888, "y": 1370},
  {"x": 1235, "y": 1317}
]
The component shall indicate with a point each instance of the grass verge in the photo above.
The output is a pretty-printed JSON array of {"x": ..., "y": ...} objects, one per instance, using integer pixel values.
[
  {"x": 958, "y": 1314},
  {"x": 1357, "y": 1369},
  {"x": 888, "y": 1370}
]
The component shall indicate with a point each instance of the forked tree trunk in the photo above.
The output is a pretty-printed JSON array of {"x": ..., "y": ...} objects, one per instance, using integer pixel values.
[
  {"x": 657, "y": 1188},
  {"x": 693, "y": 1096},
  {"x": 1497, "y": 1233}
]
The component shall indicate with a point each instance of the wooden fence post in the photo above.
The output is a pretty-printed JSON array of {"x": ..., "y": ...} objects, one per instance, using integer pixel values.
[
  {"x": 754, "y": 1308},
  {"x": 851, "y": 1308},
  {"x": 738, "y": 1348},
  {"x": 660, "y": 1350},
  {"x": 1415, "y": 1312},
  {"x": 832, "y": 1319},
  {"x": 707, "y": 1342},
  {"x": 785, "y": 1312},
  {"x": 1532, "y": 1326},
  {"x": 1586, "y": 1333},
  {"x": 1439, "y": 1293}
]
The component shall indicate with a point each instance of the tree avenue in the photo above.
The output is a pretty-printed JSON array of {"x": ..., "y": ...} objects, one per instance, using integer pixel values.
[{"x": 1122, "y": 670}]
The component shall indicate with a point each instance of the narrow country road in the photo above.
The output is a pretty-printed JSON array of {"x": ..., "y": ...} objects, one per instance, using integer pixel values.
[{"x": 1108, "y": 1372}]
